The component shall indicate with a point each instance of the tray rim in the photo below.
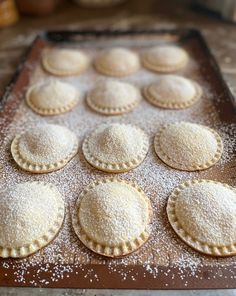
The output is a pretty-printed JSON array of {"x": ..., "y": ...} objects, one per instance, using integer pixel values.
[
  {"x": 50, "y": 36},
  {"x": 55, "y": 36}
]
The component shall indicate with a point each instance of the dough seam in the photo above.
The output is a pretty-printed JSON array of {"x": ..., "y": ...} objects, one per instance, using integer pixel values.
[
  {"x": 117, "y": 251},
  {"x": 223, "y": 251},
  {"x": 164, "y": 157},
  {"x": 37, "y": 244},
  {"x": 150, "y": 98},
  {"x": 37, "y": 167}
]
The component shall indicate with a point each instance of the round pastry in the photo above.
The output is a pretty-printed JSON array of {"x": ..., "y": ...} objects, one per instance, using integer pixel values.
[
  {"x": 51, "y": 97},
  {"x": 173, "y": 92},
  {"x": 32, "y": 214},
  {"x": 113, "y": 97},
  {"x": 165, "y": 58},
  {"x": 188, "y": 146},
  {"x": 112, "y": 217},
  {"x": 116, "y": 147},
  {"x": 64, "y": 62},
  {"x": 203, "y": 214},
  {"x": 44, "y": 148},
  {"x": 117, "y": 62}
]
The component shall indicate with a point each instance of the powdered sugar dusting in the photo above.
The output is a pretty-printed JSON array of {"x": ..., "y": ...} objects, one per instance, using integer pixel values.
[
  {"x": 46, "y": 143},
  {"x": 213, "y": 225},
  {"x": 164, "y": 251},
  {"x": 116, "y": 143}
]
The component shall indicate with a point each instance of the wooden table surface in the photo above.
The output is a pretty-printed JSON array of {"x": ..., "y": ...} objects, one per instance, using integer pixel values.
[{"x": 221, "y": 38}]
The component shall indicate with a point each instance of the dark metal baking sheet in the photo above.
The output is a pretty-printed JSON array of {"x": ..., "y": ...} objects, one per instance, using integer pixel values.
[{"x": 206, "y": 277}]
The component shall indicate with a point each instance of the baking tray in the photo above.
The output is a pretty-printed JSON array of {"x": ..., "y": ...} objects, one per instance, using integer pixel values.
[{"x": 165, "y": 262}]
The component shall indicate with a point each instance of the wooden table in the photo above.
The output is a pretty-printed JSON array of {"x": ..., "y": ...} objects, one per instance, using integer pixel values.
[{"x": 221, "y": 37}]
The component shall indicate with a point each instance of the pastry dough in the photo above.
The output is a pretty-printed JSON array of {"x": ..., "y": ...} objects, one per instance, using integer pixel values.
[
  {"x": 116, "y": 147},
  {"x": 113, "y": 97},
  {"x": 203, "y": 214},
  {"x": 188, "y": 146},
  {"x": 117, "y": 62},
  {"x": 173, "y": 92},
  {"x": 112, "y": 217},
  {"x": 165, "y": 58},
  {"x": 64, "y": 62},
  {"x": 51, "y": 97},
  {"x": 44, "y": 148},
  {"x": 32, "y": 214}
]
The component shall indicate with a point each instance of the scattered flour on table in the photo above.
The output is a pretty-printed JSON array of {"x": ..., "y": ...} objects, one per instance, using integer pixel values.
[{"x": 163, "y": 249}]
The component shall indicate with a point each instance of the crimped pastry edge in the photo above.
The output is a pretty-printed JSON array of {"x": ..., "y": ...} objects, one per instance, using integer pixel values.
[
  {"x": 219, "y": 251},
  {"x": 51, "y": 111},
  {"x": 119, "y": 167},
  {"x": 150, "y": 65},
  {"x": 110, "y": 110},
  {"x": 118, "y": 251},
  {"x": 101, "y": 68},
  {"x": 170, "y": 105},
  {"x": 172, "y": 163},
  {"x": 47, "y": 67},
  {"x": 39, "y": 243},
  {"x": 39, "y": 168}
]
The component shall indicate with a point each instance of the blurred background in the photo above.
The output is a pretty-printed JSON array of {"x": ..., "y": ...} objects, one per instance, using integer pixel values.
[{"x": 21, "y": 20}]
